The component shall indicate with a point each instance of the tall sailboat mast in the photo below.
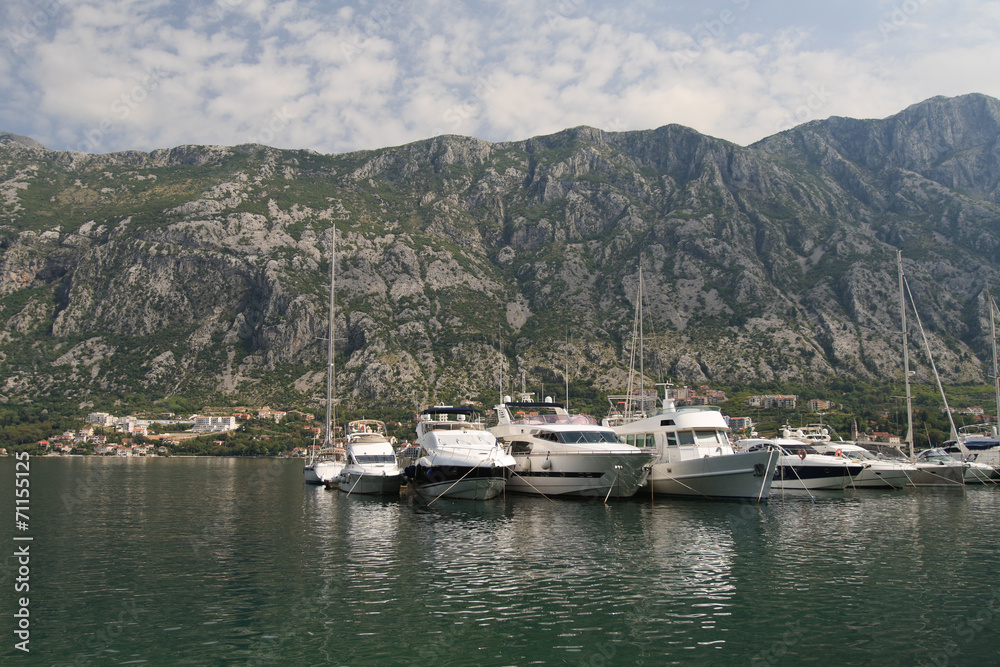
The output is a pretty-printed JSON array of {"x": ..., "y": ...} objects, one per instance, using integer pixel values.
[
  {"x": 906, "y": 354},
  {"x": 996, "y": 371},
  {"x": 637, "y": 341},
  {"x": 328, "y": 441}
]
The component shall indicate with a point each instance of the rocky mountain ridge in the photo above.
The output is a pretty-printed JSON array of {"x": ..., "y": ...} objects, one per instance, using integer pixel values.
[{"x": 203, "y": 270}]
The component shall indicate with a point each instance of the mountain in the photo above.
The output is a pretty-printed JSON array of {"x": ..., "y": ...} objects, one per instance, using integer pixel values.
[{"x": 202, "y": 270}]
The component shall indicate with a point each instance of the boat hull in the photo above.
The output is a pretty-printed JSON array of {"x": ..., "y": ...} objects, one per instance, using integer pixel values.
[
  {"x": 370, "y": 483},
  {"x": 813, "y": 477},
  {"x": 882, "y": 478},
  {"x": 322, "y": 472},
  {"x": 463, "y": 482},
  {"x": 979, "y": 474},
  {"x": 745, "y": 475},
  {"x": 937, "y": 474},
  {"x": 577, "y": 474}
]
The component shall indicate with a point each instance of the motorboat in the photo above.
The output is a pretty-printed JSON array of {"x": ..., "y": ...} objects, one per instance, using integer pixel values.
[
  {"x": 694, "y": 455},
  {"x": 801, "y": 467},
  {"x": 371, "y": 466},
  {"x": 557, "y": 453},
  {"x": 879, "y": 472},
  {"x": 980, "y": 473},
  {"x": 978, "y": 444},
  {"x": 938, "y": 468},
  {"x": 458, "y": 457}
]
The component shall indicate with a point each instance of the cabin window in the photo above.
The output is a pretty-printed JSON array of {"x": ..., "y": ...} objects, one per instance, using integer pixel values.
[
  {"x": 519, "y": 447},
  {"x": 707, "y": 437},
  {"x": 671, "y": 439},
  {"x": 686, "y": 437}
]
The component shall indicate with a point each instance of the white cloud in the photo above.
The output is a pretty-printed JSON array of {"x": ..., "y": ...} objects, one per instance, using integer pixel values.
[{"x": 314, "y": 74}]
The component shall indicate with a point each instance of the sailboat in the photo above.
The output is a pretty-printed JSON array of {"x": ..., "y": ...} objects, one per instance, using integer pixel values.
[
  {"x": 325, "y": 463},
  {"x": 932, "y": 469},
  {"x": 694, "y": 456},
  {"x": 979, "y": 444}
]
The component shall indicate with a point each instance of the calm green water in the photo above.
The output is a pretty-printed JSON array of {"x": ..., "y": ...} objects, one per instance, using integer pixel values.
[{"x": 230, "y": 561}]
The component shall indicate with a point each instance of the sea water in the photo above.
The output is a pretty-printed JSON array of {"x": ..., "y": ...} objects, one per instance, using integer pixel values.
[{"x": 211, "y": 561}]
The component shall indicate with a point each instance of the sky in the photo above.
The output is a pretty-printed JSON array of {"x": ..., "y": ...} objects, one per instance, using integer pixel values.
[{"x": 106, "y": 75}]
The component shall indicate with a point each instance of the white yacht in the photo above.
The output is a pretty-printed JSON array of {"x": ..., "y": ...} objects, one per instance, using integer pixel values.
[
  {"x": 980, "y": 473},
  {"x": 800, "y": 467},
  {"x": 694, "y": 456},
  {"x": 371, "y": 466},
  {"x": 563, "y": 454},
  {"x": 324, "y": 464},
  {"x": 458, "y": 457},
  {"x": 879, "y": 472},
  {"x": 937, "y": 468},
  {"x": 977, "y": 444}
]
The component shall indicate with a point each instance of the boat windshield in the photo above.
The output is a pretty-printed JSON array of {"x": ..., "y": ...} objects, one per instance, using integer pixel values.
[
  {"x": 451, "y": 426},
  {"x": 572, "y": 437},
  {"x": 579, "y": 420},
  {"x": 375, "y": 458},
  {"x": 936, "y": 454},
  {"x": 854, "y": 456}
]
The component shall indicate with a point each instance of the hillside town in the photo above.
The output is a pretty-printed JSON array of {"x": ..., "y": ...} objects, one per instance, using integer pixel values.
[
  {"x": 155, "y": 435},
  {"x": 158, "y": 434}
]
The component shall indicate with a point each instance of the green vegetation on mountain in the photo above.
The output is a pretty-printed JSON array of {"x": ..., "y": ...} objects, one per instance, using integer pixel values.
[{"x": 200, "y": 273}]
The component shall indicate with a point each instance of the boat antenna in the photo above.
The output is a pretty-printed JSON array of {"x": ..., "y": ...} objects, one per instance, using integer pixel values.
[
  {"x": 328, "y": 441},
  {"x": 906, "y": 354}
]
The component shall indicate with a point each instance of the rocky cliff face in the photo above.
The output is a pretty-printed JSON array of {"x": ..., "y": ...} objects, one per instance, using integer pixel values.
[{"x": 204, "y": 270}]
